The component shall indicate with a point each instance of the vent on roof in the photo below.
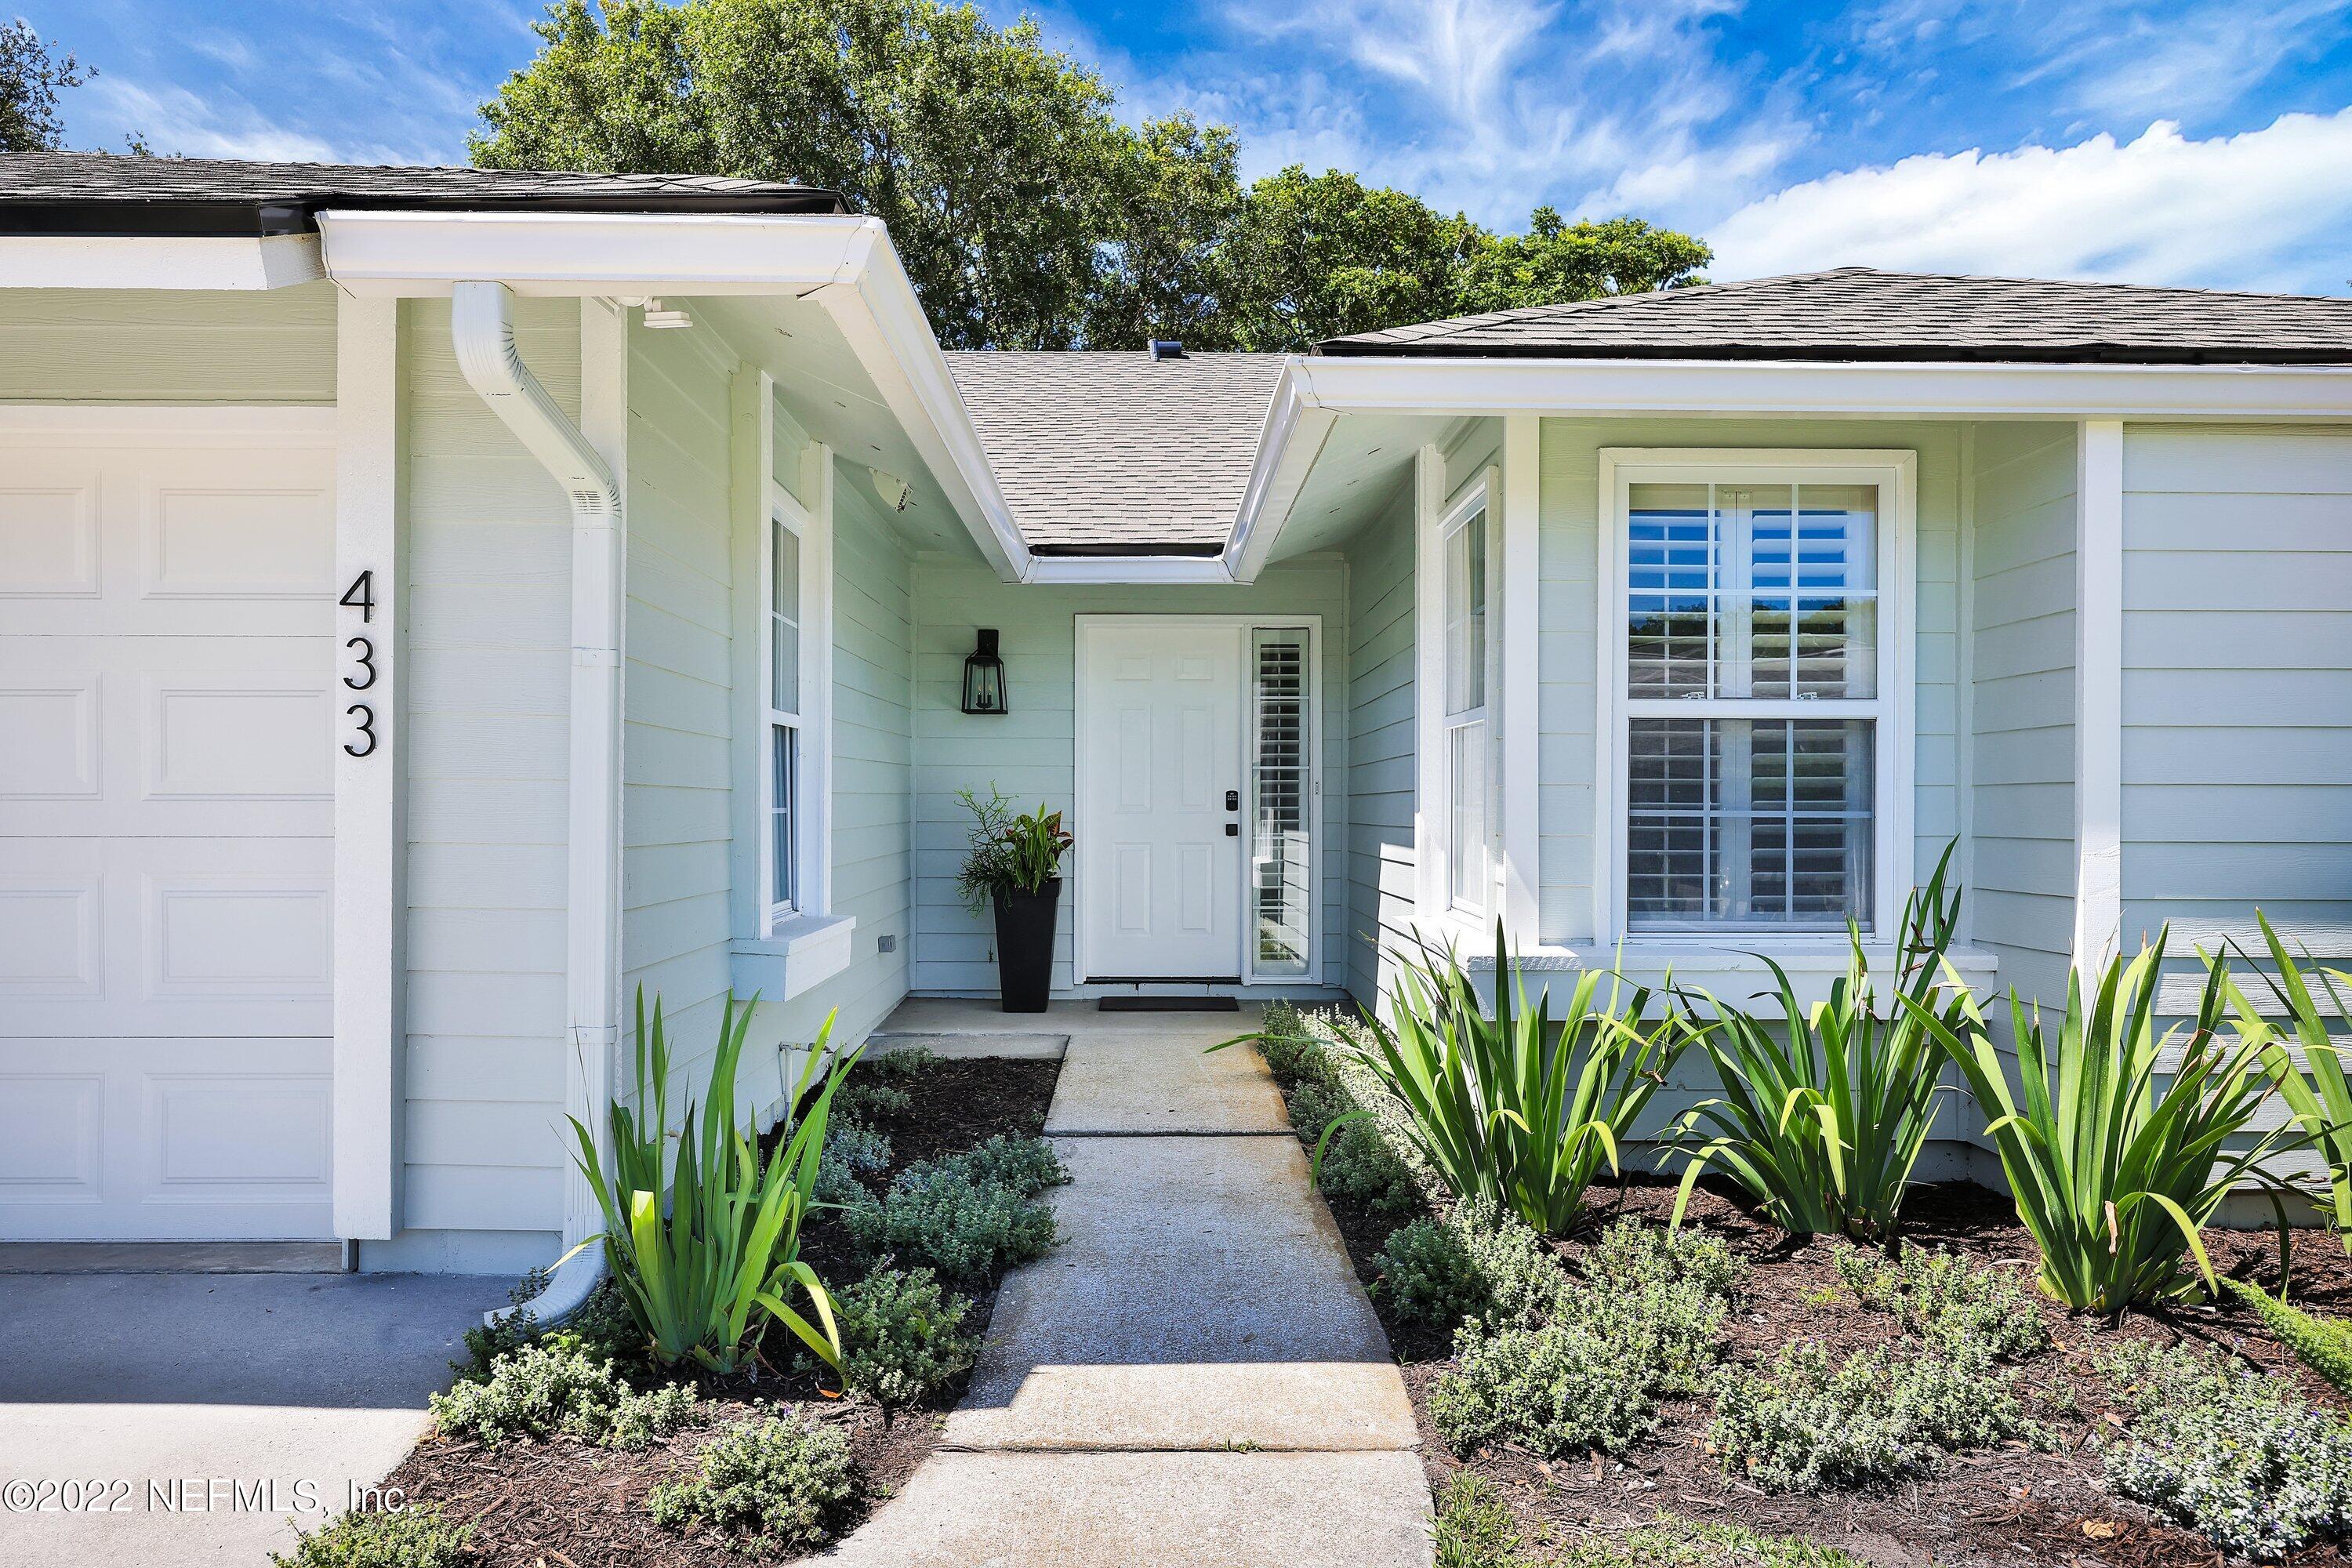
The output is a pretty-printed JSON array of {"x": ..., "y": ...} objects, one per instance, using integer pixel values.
[{"x": 1166, "y": 348}]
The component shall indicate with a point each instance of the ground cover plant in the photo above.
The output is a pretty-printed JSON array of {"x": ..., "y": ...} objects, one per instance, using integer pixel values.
[
  {"x": 557, "y": 1441},
  {"x": 1825, "y": 1110},
  {"x": 1962, "y": 1283},
  {"x": 403, "y": 1537}
]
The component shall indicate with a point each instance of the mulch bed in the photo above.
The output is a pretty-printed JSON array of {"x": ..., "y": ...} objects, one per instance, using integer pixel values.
[
  {"x": 567, "y": 1504},
  {"x": 2009, "y": 1506}
]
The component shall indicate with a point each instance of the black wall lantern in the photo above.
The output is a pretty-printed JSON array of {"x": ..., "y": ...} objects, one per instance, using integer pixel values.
[{"x": 983, "y": 676}]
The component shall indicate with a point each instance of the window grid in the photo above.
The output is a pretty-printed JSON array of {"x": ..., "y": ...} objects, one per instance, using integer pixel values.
[
  {"x": 1755, "y": 604},
  {"x": 1467, "y": 875},
  {"x": 783, "y": 682}
]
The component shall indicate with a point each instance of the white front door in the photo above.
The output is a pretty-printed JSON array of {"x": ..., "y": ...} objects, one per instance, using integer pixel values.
[
  {"x": 1159, "y": 776},
  {"x": 167, "y": 730}
]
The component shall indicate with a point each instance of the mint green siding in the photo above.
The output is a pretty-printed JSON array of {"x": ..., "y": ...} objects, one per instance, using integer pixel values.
[
  {"x": 164, "y": 345},
  {"x": 1381, "y": 667},
  {"x": 1030, "y": 753}
]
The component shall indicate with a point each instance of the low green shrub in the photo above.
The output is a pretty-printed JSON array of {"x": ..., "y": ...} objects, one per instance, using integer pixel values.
[
  {"x": 936, "y": 1216},
  {"x": 855, "y": 1147},
  {"x": 2218, "y": 1447},
  {"x": 902, "y": 1061},
  {"x": 416, "y": 1537},
  {"x": 1286, "y": 1041},
  {"x": 560, "y": 1386},
  {"x": 776, "y": 1486},
  {"x": 1630, "y": 1254},
  {"x": 1669, "y": 1542},
  {"x": 1358, "y": 1165},
  {"x": 1947, "y": 1300},
  {"x": 2323, "y": 1344},
  {"x": 901, "y": 1336},
  {"x": 1806, "y": 1424},
  {"x": 1473, "y": 1528},
  {"x": 1560, "y": 1388},
  {"x": 1560, "y": 1364},
  {"x": 1028, "y": 1166},
  {"x": 602, "y": 1324},
  {"x": 1427, "y": 1277}
]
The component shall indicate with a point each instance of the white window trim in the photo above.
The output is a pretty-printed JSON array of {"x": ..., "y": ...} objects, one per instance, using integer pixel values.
[
  {"x": 1895, "y": 473},
  {"x": 782, "y": 950},
  {"x": 1437, "y": 519}
]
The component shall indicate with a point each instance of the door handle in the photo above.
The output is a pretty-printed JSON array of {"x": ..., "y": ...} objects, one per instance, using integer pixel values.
[{"x": 1232, "y": 800}]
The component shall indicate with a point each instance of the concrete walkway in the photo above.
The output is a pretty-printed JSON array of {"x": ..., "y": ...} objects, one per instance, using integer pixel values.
[
  {"x": 1194, "y": 1379},
  {"x": 211, "y": 1408}
]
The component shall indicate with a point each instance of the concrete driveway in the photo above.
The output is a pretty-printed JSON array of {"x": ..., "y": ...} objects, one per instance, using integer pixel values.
[{"x": 199, "y": 1418}]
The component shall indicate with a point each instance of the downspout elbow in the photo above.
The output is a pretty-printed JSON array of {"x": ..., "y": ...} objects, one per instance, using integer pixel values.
[{"x": 482, "y": 334}]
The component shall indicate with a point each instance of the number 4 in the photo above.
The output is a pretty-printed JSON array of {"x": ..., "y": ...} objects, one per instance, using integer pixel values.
[{"x": 361, "y": 596}]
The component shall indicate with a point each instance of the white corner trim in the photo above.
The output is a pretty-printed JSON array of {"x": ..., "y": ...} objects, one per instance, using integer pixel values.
[
  {"x": 751, "y": 466},
  {"x": 797, "y": 955},
  {"x": 845, "y": 264},
  {"x": 371, "y": 837},
  {"x": 2098, "y": 689},
  {"x": 587, "y": 461},
  {"x": 1428, "y": 681},
  {"x": 1516, "y": 587},
  {"x": 159, "y": 261}
]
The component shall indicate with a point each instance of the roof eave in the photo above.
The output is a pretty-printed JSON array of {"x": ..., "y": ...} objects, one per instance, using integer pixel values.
[{"x": 1923, "y": 354}]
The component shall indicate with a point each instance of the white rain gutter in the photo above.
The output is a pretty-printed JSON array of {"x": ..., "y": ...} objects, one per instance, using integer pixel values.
[{"x": 481, "y": 331}]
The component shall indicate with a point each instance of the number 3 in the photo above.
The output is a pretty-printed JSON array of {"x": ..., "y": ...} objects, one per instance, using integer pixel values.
[
  {"x": 367, "y": 728},
  {"x": 367, "y": 662}
]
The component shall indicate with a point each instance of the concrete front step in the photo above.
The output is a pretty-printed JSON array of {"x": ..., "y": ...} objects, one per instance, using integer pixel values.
[{"x": 1151, "y": 1511}]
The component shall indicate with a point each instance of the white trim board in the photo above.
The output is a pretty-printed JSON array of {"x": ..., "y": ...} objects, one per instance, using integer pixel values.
[
  {"x": 1896, "y": 472},
  {"x": 2098, "y": 689}
]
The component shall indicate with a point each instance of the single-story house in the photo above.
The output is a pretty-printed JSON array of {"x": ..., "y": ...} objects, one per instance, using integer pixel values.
[{"x": 436, "y": 604}]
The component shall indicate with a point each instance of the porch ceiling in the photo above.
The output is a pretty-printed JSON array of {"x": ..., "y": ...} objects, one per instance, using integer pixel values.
[{"x": 1363, "y": 460}]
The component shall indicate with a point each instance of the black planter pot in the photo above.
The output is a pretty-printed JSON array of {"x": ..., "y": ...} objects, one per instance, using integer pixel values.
[{"x": 1024, "y": 946}]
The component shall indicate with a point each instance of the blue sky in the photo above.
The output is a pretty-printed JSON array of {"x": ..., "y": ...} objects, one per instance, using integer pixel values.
[{"x": 2207, "y": 141}]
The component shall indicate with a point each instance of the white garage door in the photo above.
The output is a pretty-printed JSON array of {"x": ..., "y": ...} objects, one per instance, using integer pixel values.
[{"x": 166, "y": 827}]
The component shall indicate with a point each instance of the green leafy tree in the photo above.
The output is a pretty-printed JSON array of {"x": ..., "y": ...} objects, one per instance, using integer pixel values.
[
  {"x": 31, "y": 74},
  {"x": 1027, "y": 214}
]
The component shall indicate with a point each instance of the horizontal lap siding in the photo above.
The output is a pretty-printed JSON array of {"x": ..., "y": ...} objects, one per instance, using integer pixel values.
[
  {"x": 2021, "y": 885},
  {"x": 166, "y": 345},
  {"x": 1567, "y": 643},
  {"x": 2237, "y": 744},
  {"x": 678, "y": 817},
  {"x": 488, "y": 677},
  {"x": 1380, "y": 744},
  {"x": 1029, "y": 752}
]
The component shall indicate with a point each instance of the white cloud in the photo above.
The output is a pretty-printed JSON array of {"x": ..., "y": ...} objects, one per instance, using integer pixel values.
[
  {"x": 2237, "y": 210},
  {"x": 174, "y": 120}
]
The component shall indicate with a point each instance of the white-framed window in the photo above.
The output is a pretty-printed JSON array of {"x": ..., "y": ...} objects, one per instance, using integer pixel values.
[
  {"x": 783, "y": 619},
  {"x": 1755, "y": 703},
  {"x": 1469, "y": 879}
]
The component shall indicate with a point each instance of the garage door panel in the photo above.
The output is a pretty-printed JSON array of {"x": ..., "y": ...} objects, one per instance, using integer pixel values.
[
  {"x": 169, "y": 701},
  {"x": 162, "y": 1138},
  {"x": 192, "y": 936},
  {"x": 51, "y": 504}
]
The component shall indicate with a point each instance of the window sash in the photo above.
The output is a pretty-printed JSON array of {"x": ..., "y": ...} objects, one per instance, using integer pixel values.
[
  {"x": 782, "y": 670},
  {"x": 1721, "y": 571}
]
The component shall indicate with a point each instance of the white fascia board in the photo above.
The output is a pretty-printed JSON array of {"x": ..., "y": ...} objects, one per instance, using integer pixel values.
[
  {"x": 1126, "y": 569},
  {"x": 159, "y": 261},
  {"x": 1296, "y": 425},
  {"x": 845, "y": 262},
  {"x": 1744, "y": 388}
]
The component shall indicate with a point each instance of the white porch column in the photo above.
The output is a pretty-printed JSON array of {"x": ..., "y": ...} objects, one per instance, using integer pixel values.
[
  {"x": 2098, "y": 689},
  {"x": 1519, "y": 831},
  {"x": 1428, "y": 681},
  {"x": 370, "y": 837}
]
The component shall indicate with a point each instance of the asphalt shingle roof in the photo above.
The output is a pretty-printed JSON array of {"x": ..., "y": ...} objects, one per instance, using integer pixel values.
[
  {"x": 1113, "y": 451},
  {"x": 99, "y": 192},
  {"x": 1861, "y": 313}
]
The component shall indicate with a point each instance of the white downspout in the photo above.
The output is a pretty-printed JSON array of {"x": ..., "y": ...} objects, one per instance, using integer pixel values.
[{"x": 481, "y": 331}]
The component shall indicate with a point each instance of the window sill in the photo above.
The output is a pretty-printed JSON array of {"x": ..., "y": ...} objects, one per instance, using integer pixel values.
[
  {"x": 802, "y": 952},
  {"x": 1732, "y": 968}
]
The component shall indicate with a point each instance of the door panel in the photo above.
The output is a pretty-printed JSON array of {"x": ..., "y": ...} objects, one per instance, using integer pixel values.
[
  {"x": 166, "y": 841},
  {"x": 1159, "y": 719}
]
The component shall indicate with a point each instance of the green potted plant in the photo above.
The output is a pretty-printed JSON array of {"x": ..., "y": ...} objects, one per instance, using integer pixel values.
[{"x": 1015, "y": 862}]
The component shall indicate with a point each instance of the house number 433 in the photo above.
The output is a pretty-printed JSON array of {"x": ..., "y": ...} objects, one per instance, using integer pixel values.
[{"x": 361, "y": 676}]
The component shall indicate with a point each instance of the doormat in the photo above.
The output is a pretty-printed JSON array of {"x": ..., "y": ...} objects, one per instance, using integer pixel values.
[{"x": 1168, "y": 1005}]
